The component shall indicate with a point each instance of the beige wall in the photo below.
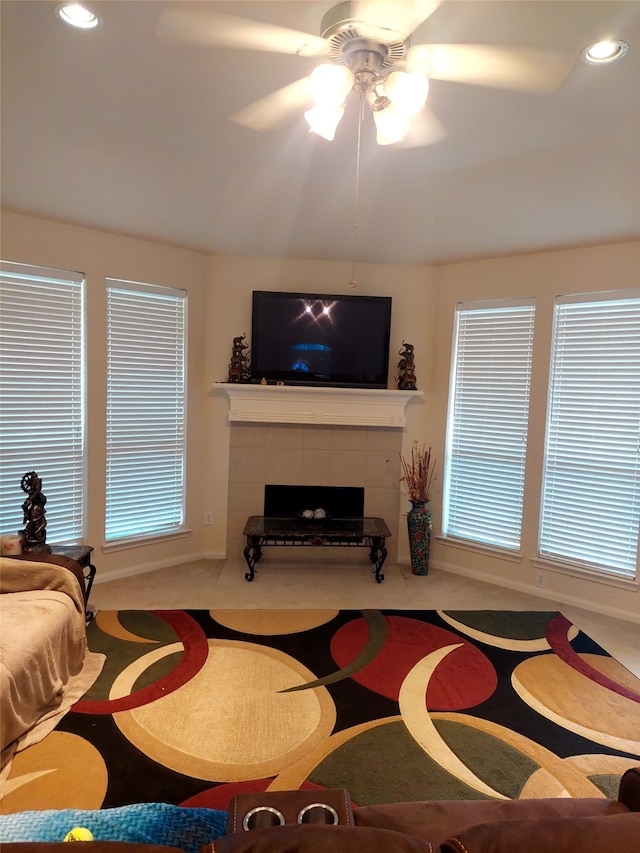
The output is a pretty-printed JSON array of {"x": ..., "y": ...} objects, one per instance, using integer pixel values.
[
  {"x": 228, "y": 313},
  {"x": 99, "y": 255},
  {"x": 219, "y": 290},
  {"x": 542, "y": 276}
]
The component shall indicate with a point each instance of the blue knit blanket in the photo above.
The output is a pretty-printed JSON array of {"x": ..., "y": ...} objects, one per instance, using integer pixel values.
[{"x": 144, "y": 823}]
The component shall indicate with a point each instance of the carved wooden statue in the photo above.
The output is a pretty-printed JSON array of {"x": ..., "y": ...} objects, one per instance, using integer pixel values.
[
  {"x": 34, "y": 514},
  {"x": 406, "y": 378},
  {"x": 239, "y": 366}
]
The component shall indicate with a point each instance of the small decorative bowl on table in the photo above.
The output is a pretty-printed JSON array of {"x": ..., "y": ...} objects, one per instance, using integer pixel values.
[{"x": 314, "y": 516}]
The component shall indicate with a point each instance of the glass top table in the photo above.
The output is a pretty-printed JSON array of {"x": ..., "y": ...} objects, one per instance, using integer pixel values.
[{"x": 368, "y": 532}]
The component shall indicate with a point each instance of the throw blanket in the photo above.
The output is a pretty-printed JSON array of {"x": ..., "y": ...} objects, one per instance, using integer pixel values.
[
  {"x": 24, "y": 575},
  {"x": 42, "y": 650},
  {"x": 142, "y": 823}
]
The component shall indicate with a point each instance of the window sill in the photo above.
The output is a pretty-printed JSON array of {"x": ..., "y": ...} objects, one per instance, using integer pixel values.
[
  {"x": 142, "y": 541},
  {"x": 479, "y": 547},
  {"x": 584, "y": 574}
]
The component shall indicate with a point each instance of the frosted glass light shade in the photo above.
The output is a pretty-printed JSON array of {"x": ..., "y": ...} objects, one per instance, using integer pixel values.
[
  {"x": 324, "y": 121},
  {"x": 391, "y": 125},
  {"x": 330, "y": 84},
  {"x": 407, "y": 92}
]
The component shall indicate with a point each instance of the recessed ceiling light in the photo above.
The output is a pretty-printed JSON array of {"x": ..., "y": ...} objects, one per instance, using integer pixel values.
[
  {"x": 77, "y": 15},
  {"x": 604, "y": 51}
]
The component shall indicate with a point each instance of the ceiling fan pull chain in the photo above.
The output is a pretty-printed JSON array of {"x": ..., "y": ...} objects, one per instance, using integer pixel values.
[{"x": 353, "y": 282}]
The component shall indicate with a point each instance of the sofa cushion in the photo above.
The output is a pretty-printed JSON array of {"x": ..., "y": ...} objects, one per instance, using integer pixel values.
[
  {"x": 601, "y": 834},
  {"x": 313, "y": 838},
  {"x": 436, "y": 820},
  {"x": 629, "y": 793}
]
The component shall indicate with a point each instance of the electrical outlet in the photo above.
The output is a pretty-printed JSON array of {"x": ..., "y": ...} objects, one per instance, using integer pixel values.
[
  {"x": 541, "y": 579},
  {"x": 208, "y": 518}
]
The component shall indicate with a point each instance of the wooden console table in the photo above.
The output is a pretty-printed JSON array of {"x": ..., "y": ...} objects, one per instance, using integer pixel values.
[{"x": 368, "y": 532}]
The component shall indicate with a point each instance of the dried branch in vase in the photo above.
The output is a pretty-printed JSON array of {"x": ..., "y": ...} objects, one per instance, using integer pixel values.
[{"x": 417, "y": 473}]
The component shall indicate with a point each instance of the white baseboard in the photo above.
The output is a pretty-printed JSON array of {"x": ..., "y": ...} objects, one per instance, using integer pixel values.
[
  {"x": 529, "y": 589},
  {"x": 130, "y": 571}
]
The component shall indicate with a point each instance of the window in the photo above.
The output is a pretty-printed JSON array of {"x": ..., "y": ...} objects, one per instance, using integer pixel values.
[
  {"x": 145, "y": 410},
  {"x": 41, "y": 386},
  {"x": 591, "y": 491},
  {"x": 487, "y": 422}
]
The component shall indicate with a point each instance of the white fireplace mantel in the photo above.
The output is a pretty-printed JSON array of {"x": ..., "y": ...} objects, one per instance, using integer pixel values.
[{"x": 295, "y": 404}]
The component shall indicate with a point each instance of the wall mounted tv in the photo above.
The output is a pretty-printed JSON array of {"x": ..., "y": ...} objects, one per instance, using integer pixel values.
[{"x": 320, "y": 339}]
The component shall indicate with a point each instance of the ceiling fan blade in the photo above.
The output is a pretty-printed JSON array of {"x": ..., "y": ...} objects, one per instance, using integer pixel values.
[
  {"x": 401, "y": 17},
  {"x": 523, "y": 69},
  {"x": 242, "y": 33},
  {"x": 274, "y": 109},
  {"x": 426, "y": 129}
]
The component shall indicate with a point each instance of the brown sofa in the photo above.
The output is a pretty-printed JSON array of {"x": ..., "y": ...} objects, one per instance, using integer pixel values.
[
  {"x": 511, "y": 826},
  {"x": 42, "y": 644}
]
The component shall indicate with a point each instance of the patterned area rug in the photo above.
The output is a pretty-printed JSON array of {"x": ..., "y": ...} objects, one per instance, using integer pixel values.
[{"x": 194, "y": 706}]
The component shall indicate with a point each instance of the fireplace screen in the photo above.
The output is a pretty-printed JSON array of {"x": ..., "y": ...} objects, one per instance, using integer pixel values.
[{"x": 336, "y": 501}]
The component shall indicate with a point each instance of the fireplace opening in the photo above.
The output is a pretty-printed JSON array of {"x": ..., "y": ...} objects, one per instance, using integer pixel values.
[{"x": 337, "y": 501}]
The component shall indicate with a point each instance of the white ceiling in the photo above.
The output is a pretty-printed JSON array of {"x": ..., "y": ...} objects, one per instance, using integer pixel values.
[{"x": 120, "y": 129}]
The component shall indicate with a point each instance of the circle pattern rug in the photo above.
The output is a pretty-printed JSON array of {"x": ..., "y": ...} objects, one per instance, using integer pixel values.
[{"x": 195, "y": 706}]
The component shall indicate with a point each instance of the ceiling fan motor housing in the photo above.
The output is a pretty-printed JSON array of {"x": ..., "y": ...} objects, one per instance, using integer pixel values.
[
  {"x": 365, "y": 60},
  {"x": 364, "y": 47}
]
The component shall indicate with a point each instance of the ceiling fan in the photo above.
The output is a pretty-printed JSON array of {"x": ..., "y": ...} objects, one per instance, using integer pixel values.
[{"x": 365, "y": 43}]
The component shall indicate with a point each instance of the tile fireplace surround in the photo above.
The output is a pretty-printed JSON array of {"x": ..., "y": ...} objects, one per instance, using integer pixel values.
[
  {"x": 289, "y": 454},
  {"x": 325, "y": 437}
]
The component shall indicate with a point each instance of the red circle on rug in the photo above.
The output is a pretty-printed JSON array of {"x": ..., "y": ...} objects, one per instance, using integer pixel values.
[
  {"x": 464, "y": 678},
  {"x": 196, "y": 649}
]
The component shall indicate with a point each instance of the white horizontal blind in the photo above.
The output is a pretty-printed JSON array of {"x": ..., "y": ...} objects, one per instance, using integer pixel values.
[
  {"x": 145, "y": 410},
  {"x": 591, "y": 491},
  {"x": 42, "y": 399},
  {"x": 487, "y": 422}
]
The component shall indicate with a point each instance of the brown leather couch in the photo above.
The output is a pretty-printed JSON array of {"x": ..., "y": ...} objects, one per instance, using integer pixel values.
[{"x": 510, "y": 826}]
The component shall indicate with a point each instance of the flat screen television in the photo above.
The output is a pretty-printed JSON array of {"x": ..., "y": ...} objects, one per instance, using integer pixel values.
[{"x": 320, "y": 339}]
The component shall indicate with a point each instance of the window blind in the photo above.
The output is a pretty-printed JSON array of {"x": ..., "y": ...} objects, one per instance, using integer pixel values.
[
  {"x": 146, "y": 383},
  {"x": 591, "y": 490},
  {"x": 487, "y": 422},
  {"x": 42, "y": 395}
]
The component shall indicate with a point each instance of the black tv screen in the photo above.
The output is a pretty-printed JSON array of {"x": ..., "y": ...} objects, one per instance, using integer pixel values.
[{"x": 320, "y": 339}]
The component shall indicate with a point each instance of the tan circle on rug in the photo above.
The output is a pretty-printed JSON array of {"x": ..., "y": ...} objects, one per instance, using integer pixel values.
[
  {"x": 230, "y": 722},
  {"x": 614, "y": 670},
  {"x": 541, "y": 784},
  {"x": 578, "y": 704},
  {"x": 270, "y": 622},
  {"x": 63, "y": 771}
]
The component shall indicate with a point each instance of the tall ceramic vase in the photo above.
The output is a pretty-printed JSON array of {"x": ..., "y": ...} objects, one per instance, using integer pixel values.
[{"x": 419, "y": 526}]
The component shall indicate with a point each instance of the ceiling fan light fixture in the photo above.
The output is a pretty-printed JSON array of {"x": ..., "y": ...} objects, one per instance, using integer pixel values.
[
  {"x": 324, "y": 121},
  {"x": 391, "y": 124},
  {"x": 76, "y": 15},
  {"x": 406, "y": 91},
  {"x": 330, "y": 85},
  {"x": 602, "y": 52}
]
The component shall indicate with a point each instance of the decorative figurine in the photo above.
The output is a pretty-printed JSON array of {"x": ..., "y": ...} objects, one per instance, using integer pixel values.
[
  {"x": 239, "y": 365},
  {"x": 406, "y": 379},
  {"x": 35, "y": 531}
]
